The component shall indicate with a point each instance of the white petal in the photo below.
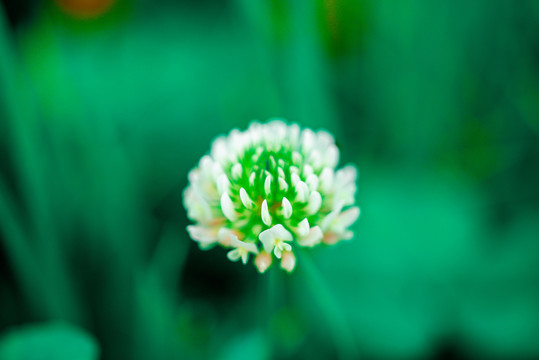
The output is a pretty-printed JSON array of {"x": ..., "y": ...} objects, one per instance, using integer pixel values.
[
  {"x": 267, "y": 184},
  {"x": 295, "y": 179},
  {"x": 324, "y": 139},
  {"x": 205, "y": 166},
  {"x": 237, "y": 141},
  {"x": 250, "y": 247},
  {"x": 273, "y": 163},
  {"x": 280, "y": 172},
  {"x": 234, "y": 136},
  {"x": 287, "y": 208},
  {"x": 202, "y": 234},
  {"x": 266, "y": 218},
  {"x": 286, "y": 246},
  {"x": 315, "y": 202},
  {"x": 302, "y": 191},
  {"x": 234, "y": 255},
  {"x": 307, "y": 170},
  {"x": 348, "y": 217},
  {"x": 315, "y": 158},
  {"x": 216, "y": 170},
  {"x": 282, "y": 184},
  {"x": 303, "y": 227},
  {"x": 235, "y": 242},
  {"x": 252, "y": 179},
  {"x": 346, "y": 175},
  {"x": 313, "y": 238},
  {"x": 237, "y": 171},
  {"x": 228, "y": 207},
  {"x": 244, "y": 249},
  {"x": 337, "y": 205},
  {"x": 227, "y": 237},
  {"x": 244, "y": 257},
  {"x": 245, "y": 199},
  {"x": 223, "y": 184},
  {"x": 280, "y": 127},
  {"x": 219, "y": 149},
  {"x": 312, "y": 182},
  {"x": 307, "y": 140},
  {"x": 278, "y": 252},
  {"x": 288, "y": 261},
  {"x": 326, "y": 179},
  {"x": 328, "y": 219},
  {"x": 194, "y": 175},
  {"x": 281, "y": 233},
  {"x": 345, "y": 194},
  {"x": 263, "y": 261},
  {"x": 297, "y": 158},
  {"x": 275, "y": 131},
  {"x": 267, "y": 237},
  {"x": 332, "y": 156},
  {"x": 293, "y": 133},
  {"x": 255, "y": 132},
  {"x": 197, "y": 208}
]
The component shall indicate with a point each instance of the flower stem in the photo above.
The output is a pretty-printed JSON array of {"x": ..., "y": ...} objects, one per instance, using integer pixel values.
[
  {"x": 336, "y": 320},
  {"x": 267, "y": 293}
]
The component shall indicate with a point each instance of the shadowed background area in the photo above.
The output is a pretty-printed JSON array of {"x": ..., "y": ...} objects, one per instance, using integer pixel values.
[{"x": 105, "y": 105}]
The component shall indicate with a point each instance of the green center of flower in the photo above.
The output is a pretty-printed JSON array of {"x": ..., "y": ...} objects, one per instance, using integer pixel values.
[{"x": 276, "y": 176}]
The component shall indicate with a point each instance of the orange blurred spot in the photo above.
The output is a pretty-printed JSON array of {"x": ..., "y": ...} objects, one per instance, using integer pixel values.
[{"x": 85, "y": 9}]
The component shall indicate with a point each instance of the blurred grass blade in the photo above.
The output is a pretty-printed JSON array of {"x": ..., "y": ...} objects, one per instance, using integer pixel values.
[
  {"x": 321, "y": 293},
  {"x": 31, "y": 174}
]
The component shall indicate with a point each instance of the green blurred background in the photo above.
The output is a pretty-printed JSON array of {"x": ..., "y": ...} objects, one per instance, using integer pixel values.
[{"x": 106, "y": 105}]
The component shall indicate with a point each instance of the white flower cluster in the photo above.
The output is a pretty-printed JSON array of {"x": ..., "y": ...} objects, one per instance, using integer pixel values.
[{"x": 269, "y": 189}]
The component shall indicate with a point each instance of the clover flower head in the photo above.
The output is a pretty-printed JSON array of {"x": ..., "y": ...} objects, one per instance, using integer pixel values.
[{"x": 268, "y": 190}]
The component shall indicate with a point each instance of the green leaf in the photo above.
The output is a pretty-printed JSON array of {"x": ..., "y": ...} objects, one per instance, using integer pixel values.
[{"x": 58, "y": 341}]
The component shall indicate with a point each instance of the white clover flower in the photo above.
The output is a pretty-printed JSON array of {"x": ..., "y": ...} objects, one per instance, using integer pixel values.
[{"x": 268, "y": 190}]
